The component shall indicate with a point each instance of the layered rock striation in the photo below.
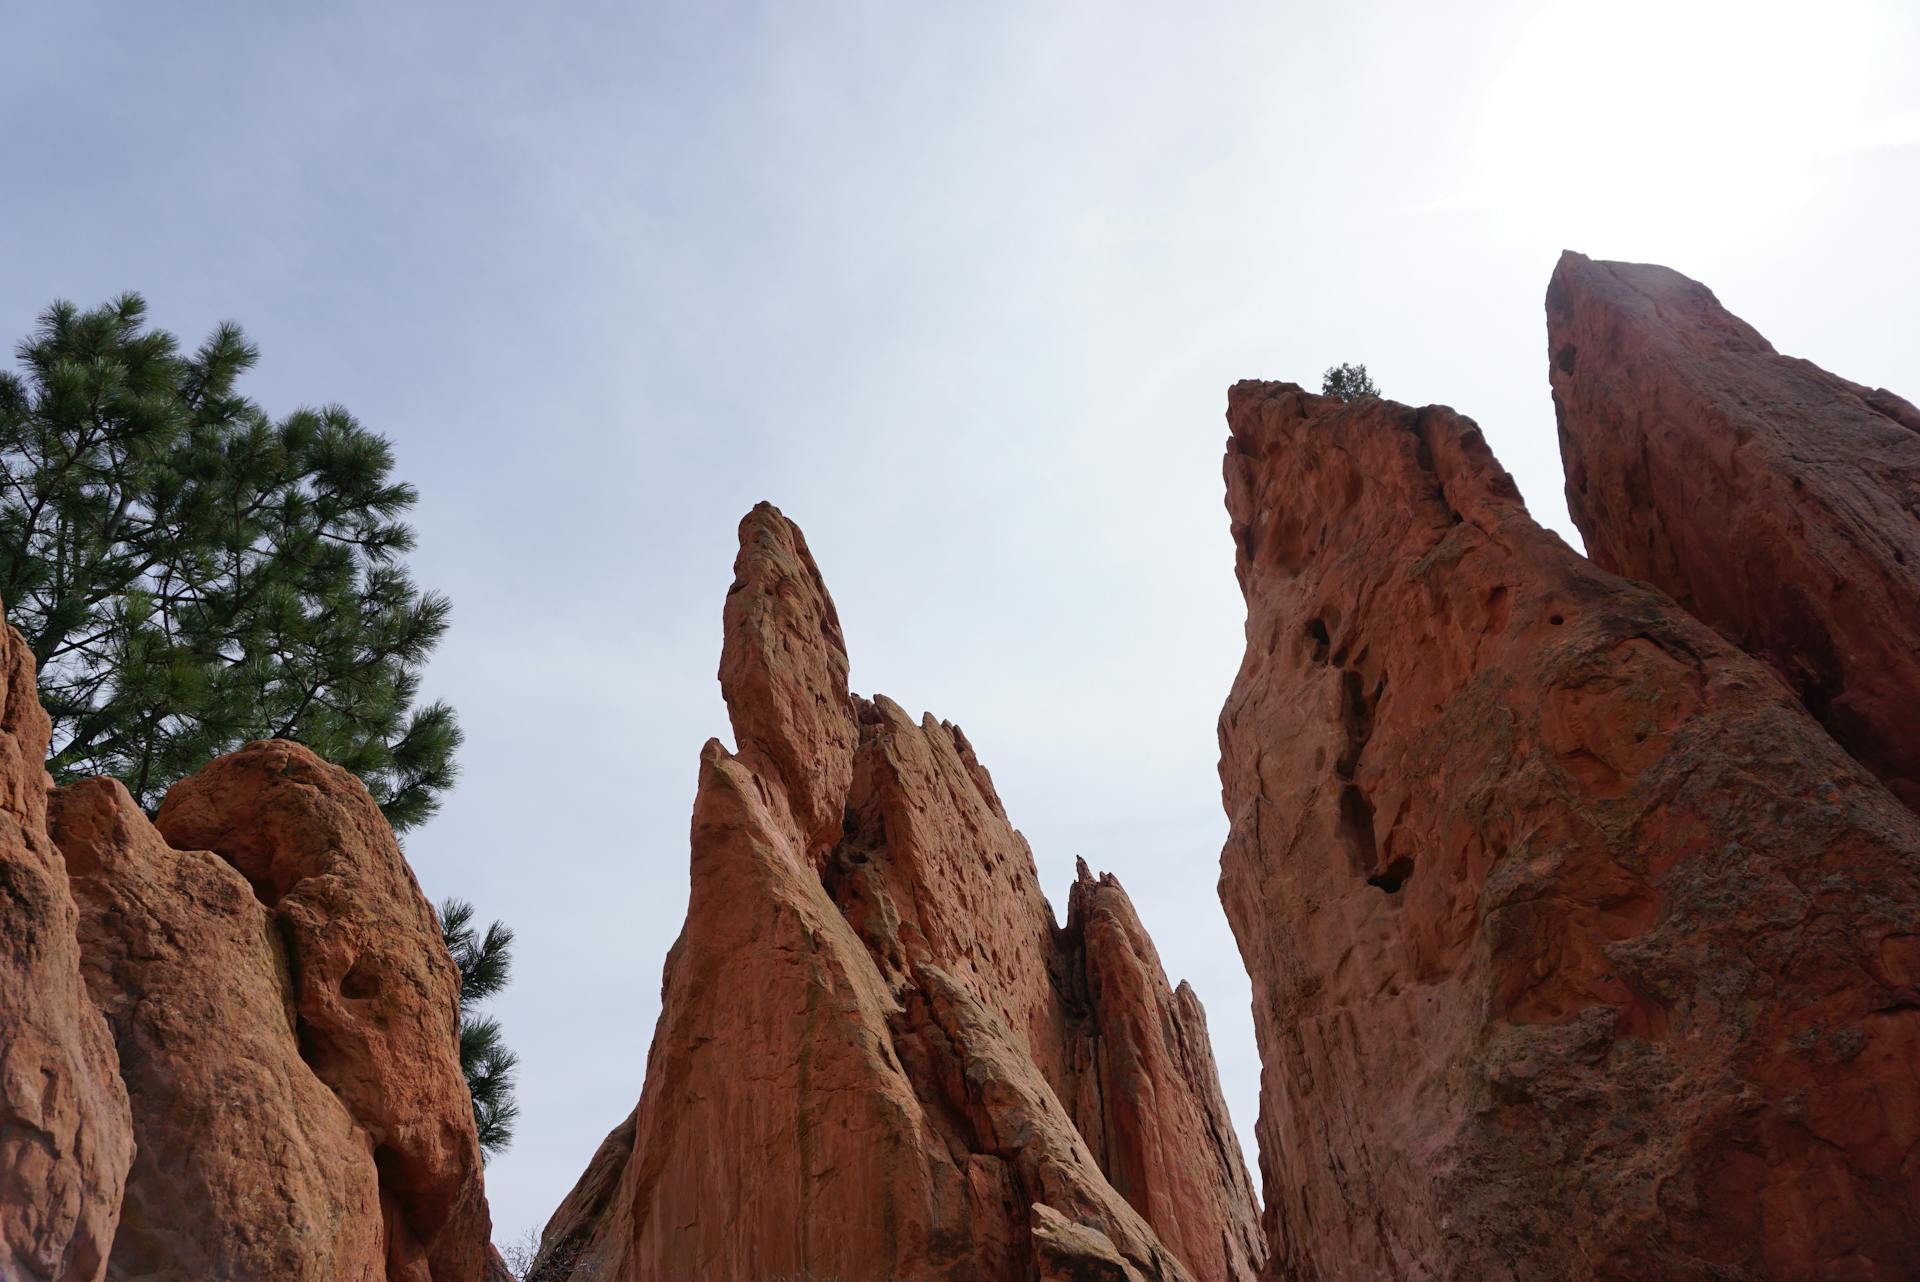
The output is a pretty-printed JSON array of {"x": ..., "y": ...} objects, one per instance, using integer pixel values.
[
  {"x": 878, "y": 1056},
  {"x": 1775, "y": 501},
  {"x": 1579, "y": 950}
]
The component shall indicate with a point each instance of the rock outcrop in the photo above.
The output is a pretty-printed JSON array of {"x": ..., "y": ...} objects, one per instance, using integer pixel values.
[
  {"x": 248, "y": 1166},
  {"x": 372, "y": 993},
  {"x": 1579, "y": 949},
  {"x": 231, "y": 1059},
  {"x": 66, "y": 1136},
  {"x": 1128, "y": 1036},
  {"x": 877, "y": 1056},
  {"x": 1775, "y": 501}
]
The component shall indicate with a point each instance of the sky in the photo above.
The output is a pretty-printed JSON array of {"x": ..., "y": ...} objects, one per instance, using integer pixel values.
[{"x": 960, "y": 288}]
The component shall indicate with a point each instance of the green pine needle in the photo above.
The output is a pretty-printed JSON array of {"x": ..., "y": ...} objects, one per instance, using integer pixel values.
[{"x": 192, "y": 574}]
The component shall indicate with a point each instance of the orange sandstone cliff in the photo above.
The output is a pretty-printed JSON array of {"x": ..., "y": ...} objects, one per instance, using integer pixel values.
[
  {"x": 1776, "y": 501},
  {"x": 228, "y": 1040},
  {"x": 372, "y": 991},
  {"x": 247, "y": 1166},
  {"x": 878, "y": 1056},
  {"x": 1579, "y": 949},
  {"x": 65, "y": 1133}
]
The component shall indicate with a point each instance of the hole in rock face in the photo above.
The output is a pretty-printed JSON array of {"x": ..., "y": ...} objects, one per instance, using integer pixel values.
[
  {"x": 1564, "y": 358},
  {"x": 1557, "y": 620},
  {"x": 1317, "y": 633},
  {"x": 1393, "y": 876},
  {"x": 1356, "y": 719}
]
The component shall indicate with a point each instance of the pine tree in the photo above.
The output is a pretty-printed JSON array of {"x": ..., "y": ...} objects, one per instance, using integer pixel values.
[
  {"x": 1347, "y": 382},
  {"x": 192, "y": 574},
  {"x": 486, "y": 964}
]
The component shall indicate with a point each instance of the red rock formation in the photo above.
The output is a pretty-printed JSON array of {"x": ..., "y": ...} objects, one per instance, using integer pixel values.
[
  {"x": 248, "y": 1166},
  {"x": 1129, "y": 1037},
  {"x": 239, "y": 992},
  {"x": 66, "y": 1137},
  {"x": 874, "y": 1044},
  {"x": 1777, "y": 502},
  {"x": 792, "y": 716},
  {"x": 931, "y": 872},
  {"x": 1579, "y": 950},
  {"x": 374, "y": 993}
]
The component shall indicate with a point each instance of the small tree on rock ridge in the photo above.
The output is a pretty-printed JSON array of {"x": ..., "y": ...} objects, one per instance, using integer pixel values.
[{"x": 1348, "y": 382}]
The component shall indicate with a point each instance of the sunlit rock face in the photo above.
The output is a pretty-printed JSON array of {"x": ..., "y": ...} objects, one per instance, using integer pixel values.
[
  {"x": 1579, "y": 949},
  {"x": 878, "y": 1056},
  {"x": 1775, "y": 501}
]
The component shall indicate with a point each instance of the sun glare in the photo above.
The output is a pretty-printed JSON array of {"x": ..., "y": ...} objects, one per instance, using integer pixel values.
[{"x": 1648, "y": 128}]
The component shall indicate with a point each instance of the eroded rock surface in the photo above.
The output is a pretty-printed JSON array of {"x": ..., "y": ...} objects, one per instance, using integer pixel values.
[
  {"x": 1776, "y": 501},
  {"x": 373, "y": 992},
  {"x": 874, "y": 1042},
  {"x": 278, "y": 1031},
  {"x": 1579, "y": 949},
  {"x": 783, "y": 664},
  {"x": 66, "y": 1135},
  {"x": 1133, "y": 1037},
  {"x": 248, "y": 1166}
]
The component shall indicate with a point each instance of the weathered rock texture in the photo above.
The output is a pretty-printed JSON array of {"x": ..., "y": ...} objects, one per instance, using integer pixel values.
[
  {"x": 248, "y": 1166},
  {"x": 1776, "y": 501},
  {"x": 274, "y": 1090},
  {"x": 373, "y": 996},
  {"x": 66, "y": 1137},
  {"x": 877, "y": 1055},
  {"x": 1579, "y": 950}
]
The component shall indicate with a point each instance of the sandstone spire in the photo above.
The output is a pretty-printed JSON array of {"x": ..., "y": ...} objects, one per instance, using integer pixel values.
[
  {"x": 877, "y": 1055},
  {"x": 1578, "y": 949},
  {"x": 1776, "y": 501}
]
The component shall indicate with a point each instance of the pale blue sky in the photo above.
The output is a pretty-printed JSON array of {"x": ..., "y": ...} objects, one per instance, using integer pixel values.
[{"x": 961, "y": 289}]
